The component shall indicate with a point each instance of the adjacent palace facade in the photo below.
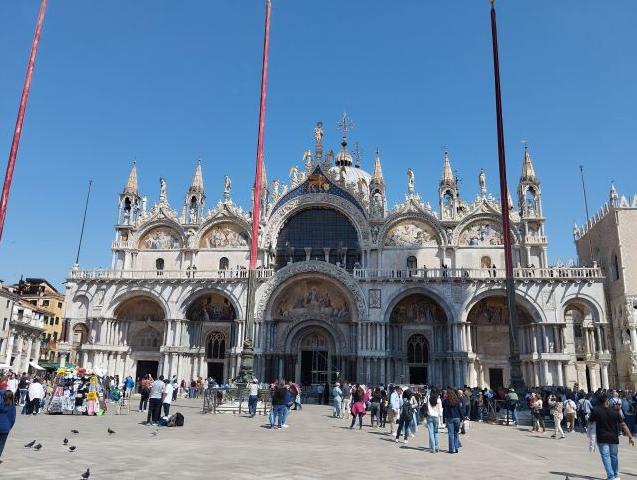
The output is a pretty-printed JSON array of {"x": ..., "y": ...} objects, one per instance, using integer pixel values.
[{"x": 346, "y": 286}]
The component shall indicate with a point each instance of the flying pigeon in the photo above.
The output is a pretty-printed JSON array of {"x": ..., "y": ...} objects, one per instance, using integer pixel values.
[
  {"x": 75, "y": 431},
  {"x": 72, "y": 448},
  {"x": 86, "y": 474},
  {"x": 65, "y": 441},
  {"x": 110, "y": 431},
  {"x": 38, "y": 446},
  {"x": 30, "y": 444}
]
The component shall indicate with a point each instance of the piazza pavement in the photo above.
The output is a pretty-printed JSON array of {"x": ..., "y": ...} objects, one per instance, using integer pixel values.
[{"x": 227, "y": 446}]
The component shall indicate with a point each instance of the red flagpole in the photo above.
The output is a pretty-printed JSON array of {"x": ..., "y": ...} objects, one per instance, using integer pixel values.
[
  {"x": 18, "y": 125},
  {"x": 256, "y": 200},
  {"x": 517, "y": 380}
]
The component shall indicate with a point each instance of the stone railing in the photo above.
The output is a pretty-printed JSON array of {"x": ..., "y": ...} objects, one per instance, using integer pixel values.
[
  {"x": 535, "y": 239},
  {"x": 556, "y": 273},
  {"x": 102, "y": 274}
]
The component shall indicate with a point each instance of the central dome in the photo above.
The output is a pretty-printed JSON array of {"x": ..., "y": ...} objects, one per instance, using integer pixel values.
[{"x": 352, "y": 174}]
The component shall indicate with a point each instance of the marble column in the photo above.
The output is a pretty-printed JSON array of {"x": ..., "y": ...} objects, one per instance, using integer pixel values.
[
  {"x": 85, "y": 359},
  {"x": 560, "y": 374},
  {"x": 9, "y": 350},
  {"x": 536, "y": 374},
  {"x": 633, "y": 337},
  {"x": 27, "y": 351},
  {"x": 534, "y": 331},
  {"x": 605, "y": 375}
]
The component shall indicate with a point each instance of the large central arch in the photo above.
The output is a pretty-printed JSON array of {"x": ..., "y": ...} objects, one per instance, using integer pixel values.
[{"x": 309, "y": 304}]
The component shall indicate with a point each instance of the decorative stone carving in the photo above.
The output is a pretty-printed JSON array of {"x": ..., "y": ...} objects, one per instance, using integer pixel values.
[
  {"x": 211, "y": 307},
  {"x": 224, "y": 235},
  {"x": 317, "y": 267},
  {"x": 160, "y": 238},
  {"x": 375, "y": 298},
  {"x": 417, "y": 308},
  {"x": 311, "y": 296},
  {"x": 411, "y": 234},
  {"x": 481, "y": 233}
]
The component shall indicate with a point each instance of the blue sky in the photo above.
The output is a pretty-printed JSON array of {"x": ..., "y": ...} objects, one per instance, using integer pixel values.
[{"x": 167, "y": 82}]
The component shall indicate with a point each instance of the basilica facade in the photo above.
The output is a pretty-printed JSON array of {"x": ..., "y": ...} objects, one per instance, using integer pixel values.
[{"x": 346, "y": 285}]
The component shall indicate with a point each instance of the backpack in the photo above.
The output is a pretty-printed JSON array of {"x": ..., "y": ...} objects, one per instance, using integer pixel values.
[
  {"x": 176, "y": 420},
  {"x": 407, "y": 411}
]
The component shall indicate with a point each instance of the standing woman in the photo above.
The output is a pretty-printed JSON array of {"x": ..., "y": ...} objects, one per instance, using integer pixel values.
[
  {"x": 145, "y": 392},
  {"x": 434, "y": 413},
  {"x": 452, "y": 410},
  {"x": 557, "y": 412},
  {"x": 358, "y": 406},
  {"x": 337, "y": 398},
  {"x": 7, "y": 418}
]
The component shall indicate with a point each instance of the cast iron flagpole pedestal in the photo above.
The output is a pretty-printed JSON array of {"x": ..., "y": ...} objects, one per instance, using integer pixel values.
[{"x": 517, "y": 380}]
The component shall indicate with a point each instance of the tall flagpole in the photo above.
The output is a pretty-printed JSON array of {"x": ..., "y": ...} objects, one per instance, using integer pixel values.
[
  {"x": 517, "y": 380},
  {"x": 246, "y": 372},
  {"x": 79, "y": 245},
  {"x": 15, "y": 143}
]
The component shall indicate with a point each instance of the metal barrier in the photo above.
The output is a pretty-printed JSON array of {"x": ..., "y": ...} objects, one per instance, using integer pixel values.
[{"x": 234, "y": 400}]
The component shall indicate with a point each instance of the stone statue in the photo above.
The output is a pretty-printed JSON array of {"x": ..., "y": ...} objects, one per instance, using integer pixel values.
[
  {"x": 163, "y": 197},
  {"x": 482, "y": 180},
  {"x": 227, "y": 185},
  {"x": 318, "y": 132},
  {"x": 275, "y": 188},
  {"x": 377, "y": 205},
  {"x": 294, "y": 176},
  {"x": 144, "y": 204},
  {"x": 307, "y": 160},
  {"x": 410, "y": 181}
]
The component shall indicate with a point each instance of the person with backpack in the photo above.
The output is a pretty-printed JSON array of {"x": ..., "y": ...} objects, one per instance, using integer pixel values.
[
  {"x": 405, "y": 417},
  {"x": 584, "y": 409},
  {"x": 453, "y": 414},
  {"x": 557, "y": 412},
  {"x": 570, "y": 411}
]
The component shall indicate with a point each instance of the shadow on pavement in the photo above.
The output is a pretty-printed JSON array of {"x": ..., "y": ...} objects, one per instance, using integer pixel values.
[{"x": 576, "y": 476}]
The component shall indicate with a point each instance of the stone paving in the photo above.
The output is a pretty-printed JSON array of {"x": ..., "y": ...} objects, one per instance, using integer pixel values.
[{"x": 314, "y": 446}]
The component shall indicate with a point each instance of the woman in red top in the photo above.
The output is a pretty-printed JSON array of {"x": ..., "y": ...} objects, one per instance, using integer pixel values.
[{"x": 358, "y": 406}]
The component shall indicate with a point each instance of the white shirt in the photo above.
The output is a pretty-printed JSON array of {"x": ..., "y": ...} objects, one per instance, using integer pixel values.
[
  {"x": 36, "y": 391},
  {"x": 434, "y": 411},
  {"x": 13, "y": 384},
  {"x": 168, "y": 390},
  {"x": 254, "y": 389},
  {"x": 394, "y": 401}
]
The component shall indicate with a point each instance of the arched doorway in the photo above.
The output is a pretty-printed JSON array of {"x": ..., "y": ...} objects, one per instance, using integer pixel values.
[
  {"x": 216, "y": 356},
  {"x": 418, "y": 328},
  {"x": 314, "y": 358},
  {"x": 144, "y": 320},
  {"x": 214, "y": 331},
  {"x": 418, "y": 359},
  {"x": 590, "y": 341},
  {"x": 489, "y": 331}
]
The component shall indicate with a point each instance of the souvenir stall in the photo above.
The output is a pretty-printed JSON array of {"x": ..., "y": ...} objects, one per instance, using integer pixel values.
[{"x": 77, "y": 392}]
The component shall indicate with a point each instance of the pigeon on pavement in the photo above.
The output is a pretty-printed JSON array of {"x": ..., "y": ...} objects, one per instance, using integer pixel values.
[
  {"x": 86, "y": 474},
  {"x": 38, "y": 446},
  {"x": 110, "y": 431},
  {"x": 65, "y": 441},
  {"x": 75, "y": 431},
  {"x": 30, "y": 444},
  {"x": 72, "y": 448}
]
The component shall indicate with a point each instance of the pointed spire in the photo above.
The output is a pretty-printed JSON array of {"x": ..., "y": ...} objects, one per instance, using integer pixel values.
[
  {"x": 613, "y": 193},
  {"x": 197, "y": 181},
  {"x": 378, "y": 171},
  {"x": 528, "y": 172},
  {"x": 447, "y": 172},
  {"x": 131, "y": 185}
]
